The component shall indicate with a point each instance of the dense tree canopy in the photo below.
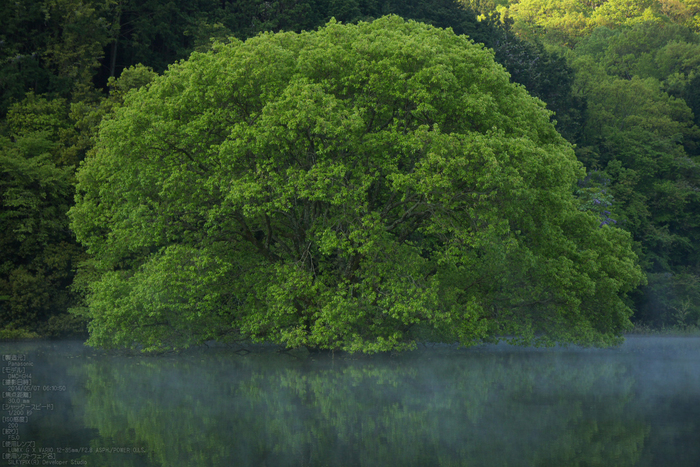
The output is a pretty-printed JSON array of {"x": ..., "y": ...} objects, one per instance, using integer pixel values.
[
  {"x": 641, "y": 135},
  {"x": 37, "y": 249},
  {"x": 348, "y": 188},
  {"x": 636, "y": 76},
  {"x": 567, "y": 21},
  {"x": 623, "y": 80},
  {"x": 59, "y": 60}
]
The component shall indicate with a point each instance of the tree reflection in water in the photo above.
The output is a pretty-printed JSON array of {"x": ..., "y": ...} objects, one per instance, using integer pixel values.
[{"x": 495, "y": 405}]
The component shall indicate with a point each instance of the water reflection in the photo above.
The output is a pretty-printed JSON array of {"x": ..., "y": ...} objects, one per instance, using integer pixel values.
[{"x": 489, "y": 406}]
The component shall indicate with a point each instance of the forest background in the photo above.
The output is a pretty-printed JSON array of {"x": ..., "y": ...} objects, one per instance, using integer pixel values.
[{"x": 622, "y": 76}]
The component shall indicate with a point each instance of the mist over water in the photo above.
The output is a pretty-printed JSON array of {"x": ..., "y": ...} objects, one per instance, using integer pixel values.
[{"x": 638, "y": 404}]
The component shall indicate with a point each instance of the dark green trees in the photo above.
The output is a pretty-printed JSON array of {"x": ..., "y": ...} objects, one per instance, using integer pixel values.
[
  {"x": 641, "y": 132},
  {"x": 37, "y": 250}
]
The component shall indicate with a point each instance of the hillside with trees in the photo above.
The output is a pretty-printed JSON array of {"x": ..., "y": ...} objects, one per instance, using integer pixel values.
[{"x": 621, "y": 77}]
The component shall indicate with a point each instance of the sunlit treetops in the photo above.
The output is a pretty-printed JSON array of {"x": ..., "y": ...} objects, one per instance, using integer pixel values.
[{"x": 566, "y": 21}]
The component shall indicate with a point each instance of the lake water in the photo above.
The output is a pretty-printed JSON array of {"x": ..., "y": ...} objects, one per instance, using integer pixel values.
[{"x": 638, "y": 404}]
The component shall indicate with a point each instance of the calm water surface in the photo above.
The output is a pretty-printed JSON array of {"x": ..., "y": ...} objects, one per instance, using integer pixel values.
[{"x": 638, "y": 404}]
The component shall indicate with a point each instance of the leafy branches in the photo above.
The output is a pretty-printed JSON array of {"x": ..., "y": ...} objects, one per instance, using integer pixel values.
[{"x": 331, "y": 213}]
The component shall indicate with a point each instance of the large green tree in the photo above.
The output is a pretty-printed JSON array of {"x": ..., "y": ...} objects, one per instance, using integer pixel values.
[{"x": 347, "y": 188}]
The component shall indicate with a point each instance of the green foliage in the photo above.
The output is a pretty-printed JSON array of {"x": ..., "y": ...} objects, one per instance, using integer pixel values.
[
  {"x": 156, "y": 33},
  {"x": 545, "y": 73},
  {"x": 642, "y": 134},
  {"x": 547, "y": 76},
  {"x": 671, "y": 299},
  {"x": 594, "y": 195},
  {"x": 38, "y": 251},
  {"x": 335, "y": 189},
  {"x": 565, "y": 22},
  {"x": 12, "y": 334},
  {"x": 76, "y": 47},
  {"x": 43, "y": 142},
  {"x": 87, "y": 115},
  {"x": 50, "y": 46},
  {"x": 639, "y": 134},
  {"x": 668, "y": 53},
  {"x": 36, "y": 244},
  {"x": 63, "y": 325}
]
